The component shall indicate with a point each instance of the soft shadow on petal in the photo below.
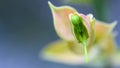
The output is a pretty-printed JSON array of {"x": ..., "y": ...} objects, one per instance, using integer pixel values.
[
  {"x": 108, "y": 45},
  {"x": 105, "y": 37},
  {"x": 103, "y": 29}
]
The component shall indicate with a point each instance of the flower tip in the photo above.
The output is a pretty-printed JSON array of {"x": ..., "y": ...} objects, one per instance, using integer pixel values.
[
  {"x": 51, "y": 5},
  {"x": 112, "y": 25},
  {"x": 91, "y": 18}
]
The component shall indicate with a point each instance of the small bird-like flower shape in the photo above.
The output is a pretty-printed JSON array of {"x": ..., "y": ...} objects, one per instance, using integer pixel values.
[{"x": 79, "y": 34}]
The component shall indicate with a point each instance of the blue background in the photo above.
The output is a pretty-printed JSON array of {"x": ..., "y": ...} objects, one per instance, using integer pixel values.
[{"x": 26, "y": 26}]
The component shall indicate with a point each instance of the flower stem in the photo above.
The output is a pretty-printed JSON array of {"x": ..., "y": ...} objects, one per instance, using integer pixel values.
[{"x": 85, "y": 51}]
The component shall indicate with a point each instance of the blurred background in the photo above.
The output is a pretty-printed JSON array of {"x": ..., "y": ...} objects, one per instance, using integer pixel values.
[{"x": 26, "y": 26}]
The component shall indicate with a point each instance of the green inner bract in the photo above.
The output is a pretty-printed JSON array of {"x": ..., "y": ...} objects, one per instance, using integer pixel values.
[{"x": 80, "y": 32}]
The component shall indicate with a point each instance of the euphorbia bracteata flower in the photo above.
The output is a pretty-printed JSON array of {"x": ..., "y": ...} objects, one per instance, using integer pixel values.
[
  {"x": 80, "y": 28},
  {"x": 76, "y": 31}
]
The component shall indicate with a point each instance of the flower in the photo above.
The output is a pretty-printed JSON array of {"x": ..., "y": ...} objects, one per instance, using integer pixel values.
[{"x": 97, "y": 35}]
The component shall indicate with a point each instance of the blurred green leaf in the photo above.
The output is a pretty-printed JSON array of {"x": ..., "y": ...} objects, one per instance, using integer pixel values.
[{"x": 78, "y": 1}]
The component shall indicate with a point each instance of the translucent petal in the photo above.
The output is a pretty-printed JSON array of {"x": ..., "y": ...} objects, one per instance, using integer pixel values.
[
  {"x": 59, "y": 51},
  {"x": 61, "y": 21}
]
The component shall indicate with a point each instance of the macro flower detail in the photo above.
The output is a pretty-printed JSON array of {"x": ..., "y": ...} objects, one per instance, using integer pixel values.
[{"x": 80, "y": 34}]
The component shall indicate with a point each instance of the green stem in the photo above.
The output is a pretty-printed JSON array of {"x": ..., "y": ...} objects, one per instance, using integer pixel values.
[{"x": 85, "y": 51}]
